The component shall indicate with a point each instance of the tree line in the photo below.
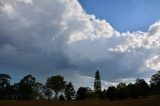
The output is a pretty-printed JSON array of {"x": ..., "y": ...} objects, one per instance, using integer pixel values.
[{"x": 56, "y": 88}]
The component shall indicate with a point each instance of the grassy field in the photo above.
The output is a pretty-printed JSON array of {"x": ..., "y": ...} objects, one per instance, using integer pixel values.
[{"x": 138, "y": 102}]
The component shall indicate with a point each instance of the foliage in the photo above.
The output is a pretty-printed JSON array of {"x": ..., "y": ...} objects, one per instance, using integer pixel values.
[
  {"x": 4, "y": 85},
  {"x": 132, "y": 91},
  {"x": 97, "y": 82},
  {"x": 91, "y": 95},
  {"x": 69, "y": 91},
  {"x": 122, "y": 91},
  {"x": 142, "y": 87},
  {"x": 103, "y": 94},
  {"x": 56, "y": 83},
  {"x": 47, "y": 93},
  {"x": 81, "y": 93},
  {"x": 111, "y": 93},
  {"x": 38, "y": 91},
  {"x": 26, "y": 87},
  {"x": 155, "y": 83}
]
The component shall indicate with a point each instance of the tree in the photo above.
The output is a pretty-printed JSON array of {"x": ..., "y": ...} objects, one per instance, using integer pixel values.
[
  {"x": 122, "y": 91},
  {"x": 111, "y": 93},
  {"x": 81, "y": 93},
  {"x": 69, "y": 91},
  {"x": 26, "y": 86},
  {"x": 103, "y": 94},
  {"x": 97, "y": 82},
  {"x": 4, "y": 85},
  {"x": 56, "y": 83},
  {"x": 47, "y": 93},
  {"x": 142, "y": 87},
  {"x": 155, "y": 83},
  {"x": 132, "y": 91},
  {"x": 91, "y": 95},
  {"x": 38, "y": 91}
]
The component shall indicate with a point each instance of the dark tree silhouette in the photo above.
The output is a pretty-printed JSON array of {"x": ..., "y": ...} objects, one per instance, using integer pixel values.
[
  {"x": 142, "y": 87},
  {"x": 69, "y": 91},
  {"x": 38, "y": 90},
  {"x": 97, "y": 82},
  {"x": 111, "y": 93},
  {"x": 26, "y": 87},
  {"x": 61, "y": 98},
  {"x": 132, "y": 91},
  {"x": 155, "y": 83},
  {"x": 81, "y": 93},
  {"x": 56, "y": 83},
  {"x": 103, "y": 94},
  {"x": 122, "y": 91},
  {"x": 47, "y": 93},
  {"x": 4, "y": 85},
  {"x": 29, "y": 88}
]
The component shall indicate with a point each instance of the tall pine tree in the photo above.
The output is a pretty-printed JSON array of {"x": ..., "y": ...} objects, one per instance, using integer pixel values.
[{"x": 97, "y": 82}]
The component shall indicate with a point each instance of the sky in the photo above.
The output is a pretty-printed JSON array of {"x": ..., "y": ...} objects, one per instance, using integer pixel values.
[
  {"x": 75, "y": 38},
  {"x": 125, "y": 15}
]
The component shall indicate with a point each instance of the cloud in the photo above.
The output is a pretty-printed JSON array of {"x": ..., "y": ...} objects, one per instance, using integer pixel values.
[
  {"x": 92, "y": 29},
  {"x": 51, "y": 37},
  {"x": 8, "y": 9},
  {"x": 26, "y": 1},
  {"x": 154, "y": 29},
  {"x": 144, "y": 40},
  {"x": 153, "y": 62}
]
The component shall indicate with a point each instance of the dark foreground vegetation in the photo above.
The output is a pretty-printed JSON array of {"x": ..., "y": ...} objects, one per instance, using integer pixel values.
[
  {"x": 151, "y": 101},
  {"x": 57, "y": 89}
]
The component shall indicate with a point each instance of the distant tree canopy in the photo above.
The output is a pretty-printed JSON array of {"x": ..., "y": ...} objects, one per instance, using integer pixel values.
[
  {"x": 103, "y": 94},
  {"x": 47, "y": 93},
  {"x": 56, "y": 83},
  {"x": 81, "y": 93},
  {"x": 28, "y": 88},
  {"x": 4, "y": 85},
  {"x": 97, "y": 82},
  {"x": 142, "y": 87},
  {"x": 69, "y": 91},
  {"x": 4, "y": 81},
  {"x": 38, "y": 90},
  {"x": 132, "y": 91},
  {"x": 111, "y": 93},
  {"x": 155, "y": 83},
  {"x": 122, "y": 91}
]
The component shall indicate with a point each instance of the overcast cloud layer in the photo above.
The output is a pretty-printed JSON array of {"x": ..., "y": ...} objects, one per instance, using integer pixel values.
[{"x": 49, "y": 37}]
